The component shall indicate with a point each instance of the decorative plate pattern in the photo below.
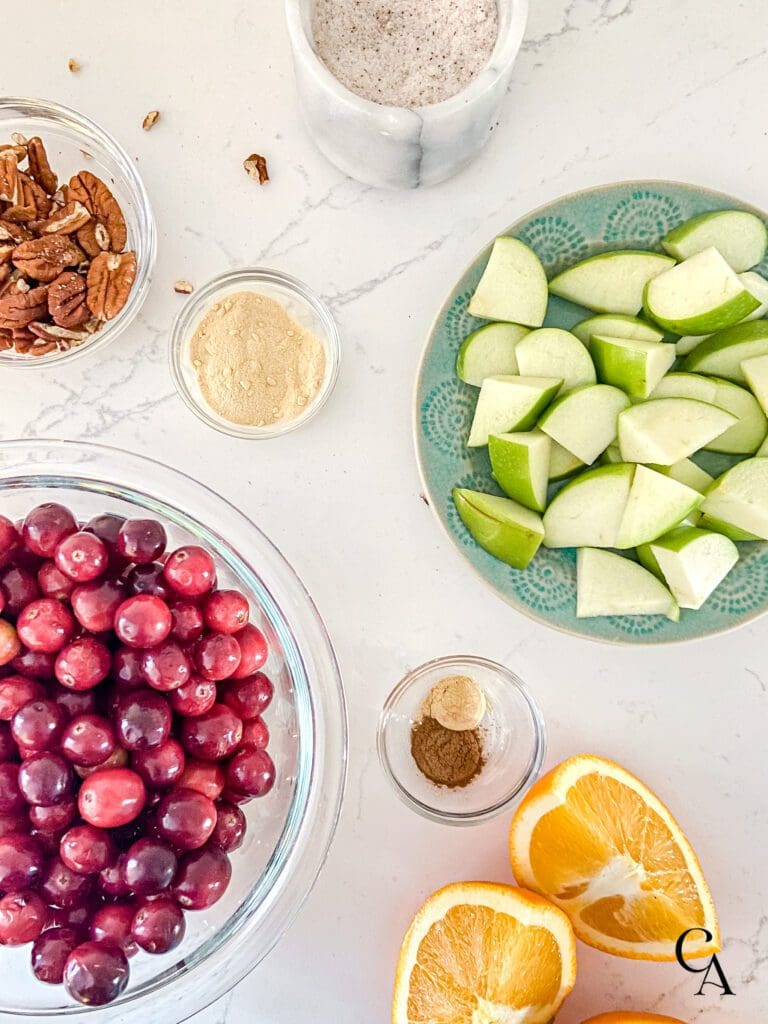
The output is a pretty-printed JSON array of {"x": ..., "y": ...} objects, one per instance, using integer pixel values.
[{"x": 626, "y": 215}]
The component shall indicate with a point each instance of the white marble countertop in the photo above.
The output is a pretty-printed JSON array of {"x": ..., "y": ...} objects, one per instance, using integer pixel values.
[{"x": 604, "y": 90}]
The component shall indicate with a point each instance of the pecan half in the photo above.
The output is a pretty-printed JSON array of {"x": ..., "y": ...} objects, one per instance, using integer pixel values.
[
  {"x": 61, "y": 336},
  {"x": 45, "y": 258},
  {"x": 94, "y": 238},
  {"x": 39, "y": 168},
  {"x": 91, "y": 191},
  {"x": 17, "y": 309},
  {"x": 33, "y": 203},
  {"x": 20, "y": 151},
  {"x": 110, "y": 279},
  {"x": 66, "y": 220},
  {"x": 10, "y": 189},
  {"x": 10, "y": 232},
  {"x": 6, "y": 251},
  {"x": 67, "y": 300}
]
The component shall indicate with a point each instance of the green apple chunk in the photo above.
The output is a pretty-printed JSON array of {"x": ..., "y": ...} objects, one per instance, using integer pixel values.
[
  {"x": 698, "y": 296},
  {"x": 609, "y": 584},
  {"x": 562, "y": 463},
  {"x": 489, "y": 351},
  {"x": 611, "y": 455},
  {"x": 723, "y": 353},
  {"x": 757, "y": 286},
  {"x": 589, "y": 509},
  {"x": 756, "y": 372},
  {"x": 513, "y": 286},
  {"x": 520, "y": 466},
  {"x": 741, "y": 237},
  {"x": 691, "y": 561},
  {"x": 551, "y": 352},
  {"x": 509, "y": 403},
  {"x": 584, "y": 420},
  {"x": 611, "y": 282},
  {"x": 688, "y": 473},
  {"x": 666, "y": 430},
  {"x": 630, "y": 364},
  {"x": 739, "y": 498},
  {"x": 506, "y": 530},
  {"x": 747, "y": 434},
  {"x": 616, "y": 325},
  {"x": 656, "y": 504}
]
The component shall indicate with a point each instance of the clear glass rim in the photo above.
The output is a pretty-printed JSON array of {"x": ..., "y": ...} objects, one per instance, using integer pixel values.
[
  {"x": 147, "y": 230},
  {"x": 531, "y": 772},
  {"x": 187, "y": 315}
]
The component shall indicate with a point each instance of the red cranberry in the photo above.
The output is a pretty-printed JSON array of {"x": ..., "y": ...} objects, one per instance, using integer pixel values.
[
  {"x": 63, "y": 887},
  {"x": 88, "y": 740},
  {"x": 45, "y": 625},
  {"x": 161, "y": 766},
  {"x": 53, "y": 582},
  {"x": 226, "y": 611},
  {"x": 165, "y": 667},
  {"x": 7, "y": 745},
  {"x": 22, "y": 918},
  {"x": 34, "y": 664},
  {"x": 76, "y": 917},
  {"x": 253, "y": 651},
  {"x": 255, "y": 733},
  {"x": 10, "y": 647},
  {"x": 117, "y": 759},
  {"x": 126, "y": 667},
  {"x": 249, "y": 697},
  {"x": 187, "y": 621},
  {"x": 45, "y": 778},
  {"x": 148, "y": 579},
  {"x": 186, "y": 818},
  {"x": 212, "y": 736},
  {"x": 149, "y": 867},
  {"x": 229, "y": 832},
  {"x": 53, "y": 818},
  {"x": 112, "y": 923},
  {"x": 11, "y": 799},
  {"x": 49, "y": 841},
  {"x": 20, "y": 589},
  {"x": 96, "y": 973},
  {"x": 158, "y": 925},
  {"x": 37, "y": 725},
  {"x": 190, "y": 571},
  {"x": 142, "y": 621},
  {"x": 111, "y": 880},
  {"x": 86, "y": 850},
  {"x": 207, "y": 777},
  {"x": 141, "y": 540},
  {"x": 50, "y": 952},
  {"x": 83, "y": 664},
  {"x": 111, "y": 797},
  {"x": 21, "y": 862},
  {"x": 45, "y": 527},
  {"x": 15, "y": 692},
  {"x": 82, "y": 556},
  {"x": 251, "y": 772},
  {"x": 73, "y": 702},
  {"x": 106, "y": 527},
  {"x": 194, "y": 698},
  {"x": 9, "y": 540},
  {"x": 217, "y": 656},
  {"x": 143, "y": 719},
  {"x": 12, "y": 821},
  {"x": 202, "y": 878},
  {"x": 95, "y": 604}
]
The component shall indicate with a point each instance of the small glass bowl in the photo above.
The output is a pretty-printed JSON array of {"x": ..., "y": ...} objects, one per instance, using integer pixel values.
[
  {"x": 75, "y": 143},
  {"x": 301, "y": 303},
  {"x": 514, "y": 742}
]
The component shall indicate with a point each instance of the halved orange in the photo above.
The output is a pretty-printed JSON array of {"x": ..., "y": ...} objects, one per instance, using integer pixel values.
[
  {"x": 478, "y": 953},
  {"x": 631, "y": 1017},
  {"x": 597, "y": 842}
]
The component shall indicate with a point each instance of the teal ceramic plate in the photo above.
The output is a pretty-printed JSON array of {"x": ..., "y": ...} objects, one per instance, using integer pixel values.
[{"x": 626, "y": 215}]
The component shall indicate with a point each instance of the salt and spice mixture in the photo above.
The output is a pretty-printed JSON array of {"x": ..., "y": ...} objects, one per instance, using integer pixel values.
[
  {"x": 405, "y": 53},
  {"x": 255, "y": 364},
  {"x": 446, "y": 742}
]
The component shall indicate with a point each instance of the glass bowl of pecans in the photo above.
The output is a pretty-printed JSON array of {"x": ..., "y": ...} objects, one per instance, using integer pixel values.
[{"x": 77, "y": 235}]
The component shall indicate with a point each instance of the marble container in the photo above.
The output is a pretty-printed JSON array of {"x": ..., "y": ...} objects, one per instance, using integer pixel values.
[{"x": 396, "y": 147}]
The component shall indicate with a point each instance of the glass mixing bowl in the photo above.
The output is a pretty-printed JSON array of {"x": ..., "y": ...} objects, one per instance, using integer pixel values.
[{"x": 290, "y": 829}]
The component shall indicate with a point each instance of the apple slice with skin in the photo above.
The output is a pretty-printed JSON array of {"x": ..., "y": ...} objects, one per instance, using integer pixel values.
[
  {"x": 552, "y": 352},
  {"x": 755, "y": 371},
  {"x": 723, "y": 353},
  {"x": 563, "y": 463},
  {"x": 505, "y": 529},
  {"x": 740, "y": 236},
  {"x": 611, "y": 282},
  {"x": 688, "y": 473},
  {"x": 616, "y": 325},
  {"x": 584, "y": 420},
  {"x": 489, "y": 351},
  {"x": 692, "y": 562},
  {"x": 509, "y": 403},
  {"x": 609, "y": 584},
  {"x": 513, "y": 286},
  {"x": 739, "y": 498},
  {"x": 588, "y": 511},
  {"x": 666, "y": 430},
  {"x": 520, "y": 466},
  {"x": 656, "y": 504},
  {"x": 747, "y": 434},
  {"x": 633, "y": 365},
  {"x": 755, "y": 285}
]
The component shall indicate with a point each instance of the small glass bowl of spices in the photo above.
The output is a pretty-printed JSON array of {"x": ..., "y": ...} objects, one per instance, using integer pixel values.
[
  {"x": 460, "y": 738},
  {"x": 255, "y": 353}
]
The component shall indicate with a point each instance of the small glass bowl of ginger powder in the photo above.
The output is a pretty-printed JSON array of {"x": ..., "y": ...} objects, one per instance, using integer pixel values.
[
  {"x": 460, "y": 738},
  {"x": 254, "y": 353}
]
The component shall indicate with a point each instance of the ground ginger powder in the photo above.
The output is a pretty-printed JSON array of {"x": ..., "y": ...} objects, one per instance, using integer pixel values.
[{"x": 255, "y": 364}]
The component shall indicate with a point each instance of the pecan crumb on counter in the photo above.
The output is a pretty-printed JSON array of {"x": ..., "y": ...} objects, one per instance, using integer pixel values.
[{"x": 256, "y": 166}]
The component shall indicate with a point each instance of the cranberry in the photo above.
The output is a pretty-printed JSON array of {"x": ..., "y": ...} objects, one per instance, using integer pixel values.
[
  {"x": 48, "y": 841},
  {"x": 37, "y": 725},
  {"x": 53, "y": 818},
  {"x": 148, "y": 579},
  {"x": 10, "y": 646},
  {"x": 88, "y": 740},
  {"x": 249, "y": 697},
  {"x": 83, "y": 664},
  {"x": 76, "y": 917},
  {"x": 161, "y": 766},
  {"x": 217, "y": 656},
  {"x": 141, "y": 540},
  {"x": 34, "y": 664},
  {"x": 207, "y": 777},
  {"x": 7, "y": 745},
  {"x": 112, "y": 923},
  {"x": 45, "y": 778},
  {"x": 126, "y": 667},
  {"x": 111, "y": 880},
  {"x": 82, "y": 556},
  {"x": 195, "y": 697},
  {"x": 190, "y": 571},
  {"x": 255, "y": 733},
  {"x": 96, "y": 973},
  {"x": 9, "y": 540},
  {"x": 45, "y": 625},
  {"x": 149, "y": 867},
  {"x": 117, "y": 759},
  {"x": 63, "y": 887},
  {"x": 253, "y": 651},
  {"x": 45, "y": 527},
  {"x": 111, "y": 797},
  {"x": 20, "y": 589},
  {"x": 143, "y": 719},
  {"x": 187, "y": 621},
  {"x": 73, "y": 702},
  {"x": 53, "y": 582},
  {"x": 165, "y": 667},
  {"x": 106, "y": 527},
  {"x": 15, "y": 692},
  {"x": 186, "y": 818},
  {"x": 95, "y": 604},
  {"x": 86, "y": 850},
  {"x": 142, "y": 621},
  {"x": 202, "y": 878},
  {"x": 50, "y": 952},
  {"x": 158, "y": 925},
  {"x": 230, "y": 827},
  {"x": 12, "y": 821},
  {"x": 21, "y": 862},
  {"x": 251, "y": 772},
  {"x": 22, "y": 918},
  {"x": 212, "y": 736},
  {"x": 226, "y": 611}
]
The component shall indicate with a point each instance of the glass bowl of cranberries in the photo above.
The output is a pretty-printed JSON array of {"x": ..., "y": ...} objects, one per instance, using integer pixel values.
[{"x": 172, "y": 738}]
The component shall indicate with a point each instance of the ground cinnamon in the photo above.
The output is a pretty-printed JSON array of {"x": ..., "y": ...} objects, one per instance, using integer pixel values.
[{"x": 448, "y": 757}]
